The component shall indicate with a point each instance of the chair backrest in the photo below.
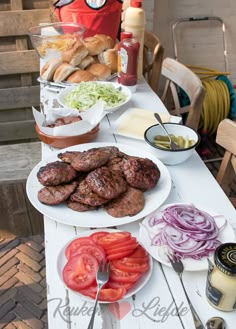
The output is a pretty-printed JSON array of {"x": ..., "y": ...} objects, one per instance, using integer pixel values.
[
  {"x": 226, "y": 137},
  {"x": 153, "y": 53},
  {"x": 179, "y": 76}
]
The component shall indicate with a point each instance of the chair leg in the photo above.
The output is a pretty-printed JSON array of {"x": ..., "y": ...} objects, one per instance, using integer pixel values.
[{"x": 226, "y": 173}]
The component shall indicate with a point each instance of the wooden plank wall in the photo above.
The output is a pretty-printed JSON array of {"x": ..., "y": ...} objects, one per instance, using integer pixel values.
[
  {"x": 19, "y": 91},
  {"x": 19, "y": 68}
]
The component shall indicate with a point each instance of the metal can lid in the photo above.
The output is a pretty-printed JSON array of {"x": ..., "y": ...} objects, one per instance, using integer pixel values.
[{"x": 225, "y": 258}]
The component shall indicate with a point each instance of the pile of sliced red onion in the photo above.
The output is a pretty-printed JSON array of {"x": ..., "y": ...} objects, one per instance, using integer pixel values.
[{"x": 185, "y": 231}]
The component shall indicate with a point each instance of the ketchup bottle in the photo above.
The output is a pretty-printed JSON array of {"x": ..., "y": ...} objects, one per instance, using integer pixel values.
[
  {"x": 128, "y": 50},
  {"x": 134, "y": 22}
]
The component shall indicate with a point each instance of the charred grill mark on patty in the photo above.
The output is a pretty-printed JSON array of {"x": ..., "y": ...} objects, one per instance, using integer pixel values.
[
  {"x": 53, "y": 195},
  {"x": 56, "y": 173},
  {"x": 128, "y": 204},
  {"x": 85, "y": 195},
  {"x": 106, "y": 183},
  {"x": 141, "y": 173}
]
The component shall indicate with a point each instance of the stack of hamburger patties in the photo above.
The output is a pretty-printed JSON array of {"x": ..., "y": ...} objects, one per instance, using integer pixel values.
[{"x": 93, "y": 58}]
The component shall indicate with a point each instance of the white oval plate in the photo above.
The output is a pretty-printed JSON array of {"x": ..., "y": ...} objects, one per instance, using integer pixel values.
[
  {"x": 123, "y": 89},
  {"x": 61, "y": 261},
  {"x": 225, "y": 235},
  {"x": 154, "y": 198}
]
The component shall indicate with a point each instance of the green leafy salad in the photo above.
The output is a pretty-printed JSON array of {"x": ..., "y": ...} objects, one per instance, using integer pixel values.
[{"x": 87, "y": 94}]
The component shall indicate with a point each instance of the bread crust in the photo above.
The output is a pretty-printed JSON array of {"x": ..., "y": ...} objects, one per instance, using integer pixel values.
[
  {"x": 63, "y": 71},
  {"x": 98, "y": 43},
  {"x": 81, "y": 75},
  {"x": 86, "y": 61},
  {"x": 75, "y": 54},
  {"x": 101, "y": 71},
  {"x": 49, "y": 68},
  {"x": 109, "y": 58}
]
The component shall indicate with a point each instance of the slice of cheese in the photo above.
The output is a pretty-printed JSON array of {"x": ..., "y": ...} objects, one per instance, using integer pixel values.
[{"x": 135, "y": 121}]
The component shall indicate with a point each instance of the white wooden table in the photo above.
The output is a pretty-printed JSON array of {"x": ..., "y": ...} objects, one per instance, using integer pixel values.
[{"x": 155, "y": 305}]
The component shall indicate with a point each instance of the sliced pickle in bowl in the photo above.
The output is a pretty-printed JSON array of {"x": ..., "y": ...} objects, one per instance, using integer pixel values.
[{"x": 180, "y": 141}]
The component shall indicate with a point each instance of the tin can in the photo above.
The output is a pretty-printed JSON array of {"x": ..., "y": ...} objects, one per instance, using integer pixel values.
[{"x": 221, "y": 279}]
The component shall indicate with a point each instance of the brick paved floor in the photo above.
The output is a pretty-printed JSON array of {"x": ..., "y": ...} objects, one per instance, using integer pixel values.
[{"x": 22, "y": 283}]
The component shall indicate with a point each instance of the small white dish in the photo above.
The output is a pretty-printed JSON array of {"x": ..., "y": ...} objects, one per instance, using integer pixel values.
[{"x": 168, "y": 156}]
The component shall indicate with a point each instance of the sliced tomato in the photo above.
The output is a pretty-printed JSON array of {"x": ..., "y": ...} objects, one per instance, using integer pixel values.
[
  {"x": 95, "y": 250},
  {"x": 122, "y": 265},
  {"x": 76, "y": 243},
  {"x": 114, "y": 238},
  {"x": 136, "y": 260},
  {"x": 122, "y": 244},
  {"x": 115, "y": 284},
  {"x": 122, "y": 276},
  {"x": 106, "y": 294},
  {"x": 80, "y": 271},
  {"x": 111, "y": 295},
  {"x": 98, "y": 235},
  {"x": 120, "y": 254},
  {"x": 117, "y": 249},
  {"x": 90, "y": 291},
  {"x": 139, "y": 252}
]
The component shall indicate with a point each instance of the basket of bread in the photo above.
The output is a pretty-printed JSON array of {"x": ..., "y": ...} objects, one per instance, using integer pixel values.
[{"x": 70, "y": 58}]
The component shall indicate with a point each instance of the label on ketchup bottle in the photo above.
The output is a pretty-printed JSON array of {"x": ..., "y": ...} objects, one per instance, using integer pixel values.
[{"x": 128, "y": 49}]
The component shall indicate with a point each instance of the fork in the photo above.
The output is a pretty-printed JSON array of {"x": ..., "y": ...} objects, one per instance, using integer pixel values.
[
  {"x": 102, "y": 277},
  {"x": 178, "y": 267}
]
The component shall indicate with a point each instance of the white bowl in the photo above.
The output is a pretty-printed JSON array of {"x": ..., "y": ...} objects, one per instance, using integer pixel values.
[
  {"x": 167, "y": 156},
  {"x": 122, "y": 89}
]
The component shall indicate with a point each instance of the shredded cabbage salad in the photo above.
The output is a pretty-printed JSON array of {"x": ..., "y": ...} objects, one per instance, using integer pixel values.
[
  {"x": 86, "y": 94},
  {"x": 184, "y": 231}
]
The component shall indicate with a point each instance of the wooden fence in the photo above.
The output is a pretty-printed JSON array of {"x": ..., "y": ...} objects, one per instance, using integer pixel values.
[
  {"x": 19, "y": 67},
  {"x": 19, "y": 91}
]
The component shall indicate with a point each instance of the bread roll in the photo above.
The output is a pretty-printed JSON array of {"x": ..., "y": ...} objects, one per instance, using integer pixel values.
[
  {"x": 63, "y": 71},
  {"x": 98, "y": 43},
  {"x": 101, "y": 71},
  {"x": 81, "y": 75},
  {"x": 107, "y": 40},
  {"x": 109, "y": 57},
  {"x": 75, "y": 54},
  {"x": 49, "y": 68},
  {"x": 88, "y": 60}
]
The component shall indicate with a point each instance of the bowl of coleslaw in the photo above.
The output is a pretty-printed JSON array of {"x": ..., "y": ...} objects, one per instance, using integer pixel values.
[{"x": 86, "y": 94}]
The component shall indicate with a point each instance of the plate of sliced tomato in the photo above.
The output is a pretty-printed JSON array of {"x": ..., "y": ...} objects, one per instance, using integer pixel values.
[{"x": 130, "y": 264}]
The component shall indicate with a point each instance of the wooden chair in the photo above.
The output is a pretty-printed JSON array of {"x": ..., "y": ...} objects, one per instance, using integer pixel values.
[
  {"x": 226, "y": 137},
  {"x": 153, "y": 53},
  {"x": 178, "y": 76}
]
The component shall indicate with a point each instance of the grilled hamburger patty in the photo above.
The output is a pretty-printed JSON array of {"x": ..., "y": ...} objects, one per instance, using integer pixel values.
[
  {"x": 93, "y": 158},
  {"x": 141, "y": 173},
  {"x": 85, "y": 195},
  {"x": 56, "y": 173},
  {"x": 128, "y": 204},
  {"x": 56, "y": 194},
  {"x": 68, "y": 156},
  {"x": 106, "y": 183},
  {"x": 77, "y": 206}
]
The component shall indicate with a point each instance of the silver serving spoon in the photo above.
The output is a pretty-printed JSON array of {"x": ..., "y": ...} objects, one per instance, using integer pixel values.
[
  {"x": 173, "y": 146},
  {"x": 215, "y": 323}
]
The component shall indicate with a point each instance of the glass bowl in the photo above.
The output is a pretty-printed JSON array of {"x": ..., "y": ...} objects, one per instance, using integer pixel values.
[{"x": 49, "y": 40}]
